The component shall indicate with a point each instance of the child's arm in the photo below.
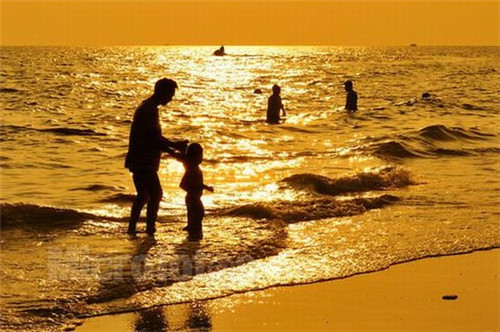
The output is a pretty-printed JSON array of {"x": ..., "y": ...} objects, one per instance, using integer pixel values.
[
  {"x": 209, "y": 188},
  {"x": 282, "y": 106},
  {"x": 177, "y": 155}
]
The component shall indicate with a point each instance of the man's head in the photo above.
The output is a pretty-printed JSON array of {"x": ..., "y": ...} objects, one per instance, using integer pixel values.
[
  {"x": 164, "y": 90},
  {"x": 276, "y": 89},
  {"x": 348, "y": 85}
]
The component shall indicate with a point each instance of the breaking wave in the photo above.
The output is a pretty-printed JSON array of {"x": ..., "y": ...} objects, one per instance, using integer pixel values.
[
  {"x": 311, "y": 210},
  {"x": 13, "y": 215},
  {"x": 376, "y": 179},
  {"x": 442, "y": 133},
  {"x": 431, "y": 142}
]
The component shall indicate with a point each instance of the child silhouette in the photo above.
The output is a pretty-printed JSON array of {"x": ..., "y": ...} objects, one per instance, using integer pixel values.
[{"x": 192, "y": 183}]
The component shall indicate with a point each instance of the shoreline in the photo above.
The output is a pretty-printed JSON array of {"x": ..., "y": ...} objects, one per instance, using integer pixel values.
[{"x": 418, "y": 295}]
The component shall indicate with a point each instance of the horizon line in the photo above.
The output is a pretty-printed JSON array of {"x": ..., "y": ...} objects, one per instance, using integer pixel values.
[{"x": 251, "y": 45}]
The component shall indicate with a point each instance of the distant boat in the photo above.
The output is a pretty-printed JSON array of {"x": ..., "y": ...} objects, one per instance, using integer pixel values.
[
  {"x": 413, "y": 45},
  {"x": 220, "y": 51}
]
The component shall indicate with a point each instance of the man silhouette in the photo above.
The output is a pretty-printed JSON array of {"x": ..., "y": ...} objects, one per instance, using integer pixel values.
[
  {"x": 146, "y": 144},
  {"x": 351, "y": 102},
  {"x": 274, "y": 106}
]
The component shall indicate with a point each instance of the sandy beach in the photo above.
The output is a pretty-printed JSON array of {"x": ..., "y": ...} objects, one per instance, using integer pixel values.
[{"x": 452, "y": 293}]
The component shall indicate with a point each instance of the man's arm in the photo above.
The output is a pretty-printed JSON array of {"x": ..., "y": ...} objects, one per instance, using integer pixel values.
[
  {"x": 177, "y": 155},
  {"x": 167, "y": 144}
]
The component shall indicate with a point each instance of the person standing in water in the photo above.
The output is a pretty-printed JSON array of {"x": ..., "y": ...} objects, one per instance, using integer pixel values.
[
  {"x": 146, "y": 144},
  {"x": 192, "y": 183},
  {"x": 274, "y": 106},
  {"x": 351, "y": 101}
]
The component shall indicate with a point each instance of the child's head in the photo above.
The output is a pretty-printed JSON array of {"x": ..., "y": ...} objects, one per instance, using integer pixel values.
[
  {"x": 194, "y": 153},
  {"x": 276, "y": 89}
]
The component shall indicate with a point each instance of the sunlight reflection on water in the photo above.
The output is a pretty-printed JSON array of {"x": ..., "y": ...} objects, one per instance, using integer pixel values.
[{"x": 322, "y": 195}]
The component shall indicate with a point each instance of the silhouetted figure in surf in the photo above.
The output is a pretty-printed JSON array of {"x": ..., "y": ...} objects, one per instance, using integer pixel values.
[
  {"x": 274, "y": 106},
  {"x": 146, "y": 144},
  {"x": 192, "y": 183},
  {"x": 351, "y": 100}
]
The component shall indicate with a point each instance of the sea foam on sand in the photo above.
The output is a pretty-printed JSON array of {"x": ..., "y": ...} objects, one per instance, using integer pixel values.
[{"x": 405, "y": 297}]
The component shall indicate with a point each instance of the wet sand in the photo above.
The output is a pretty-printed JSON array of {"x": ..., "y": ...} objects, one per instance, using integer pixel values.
[{"x": 405, "y": 297}]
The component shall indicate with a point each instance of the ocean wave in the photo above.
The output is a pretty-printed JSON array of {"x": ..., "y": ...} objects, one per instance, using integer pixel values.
[
  {"x": 19, "y": 215},
  {"x": 450, "y": 152},
  {"x": 12, "y": 128},
  {"x": 9, "y": 90},
  {"x": 443, "y": 133},
  {"x": 397, "y": 150},
  {"x": 147, "y": 264},
  {"x": 73, "y": 131},
  {"x": 297, "y": 211},
  {"x": 392, "y": 149},
  {"x": 466, "y": 151},
  {"x": 376, "y": 179},
  {"x": 4, "y": 129},
  {"x": 471, "y": 107},
  {"x": 431, "y": 142},
  {"x": 98, "y": 187},
  {"x": 180, "y": 262},
  {"x": 119, "y": 199}
]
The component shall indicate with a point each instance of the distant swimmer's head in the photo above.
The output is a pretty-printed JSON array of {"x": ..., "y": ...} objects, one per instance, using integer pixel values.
[
  {"x": 276, "y": 89},
  {"x": 165, "y": 90},
  {"x": 194, "y": 153},
  {"x": 348, "y": 85}
]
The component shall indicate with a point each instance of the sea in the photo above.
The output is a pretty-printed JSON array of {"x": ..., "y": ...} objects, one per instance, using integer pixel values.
[{"x": 325, "y": 194}]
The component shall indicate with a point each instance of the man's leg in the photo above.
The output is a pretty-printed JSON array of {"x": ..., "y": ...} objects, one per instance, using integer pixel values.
[
  {"x": 141, "y": 199},
  {"x": 155, "y": 196}
]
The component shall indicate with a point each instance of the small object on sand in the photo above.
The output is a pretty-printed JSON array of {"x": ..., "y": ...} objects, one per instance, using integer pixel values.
[
  {"x": 450, "y": 297},
  {"x": 410, "y": 102},
  {"x": 257, "y": 91}
]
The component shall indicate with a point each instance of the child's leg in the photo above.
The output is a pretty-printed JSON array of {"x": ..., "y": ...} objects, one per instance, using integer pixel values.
[
  {"x": 195, "y": 219},
  {"x": 189, "y": 213},
  {"x": 192, "y": 211}
]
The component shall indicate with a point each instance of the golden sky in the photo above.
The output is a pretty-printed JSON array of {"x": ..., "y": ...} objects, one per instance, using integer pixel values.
[{"x": 250, "y": 22}]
